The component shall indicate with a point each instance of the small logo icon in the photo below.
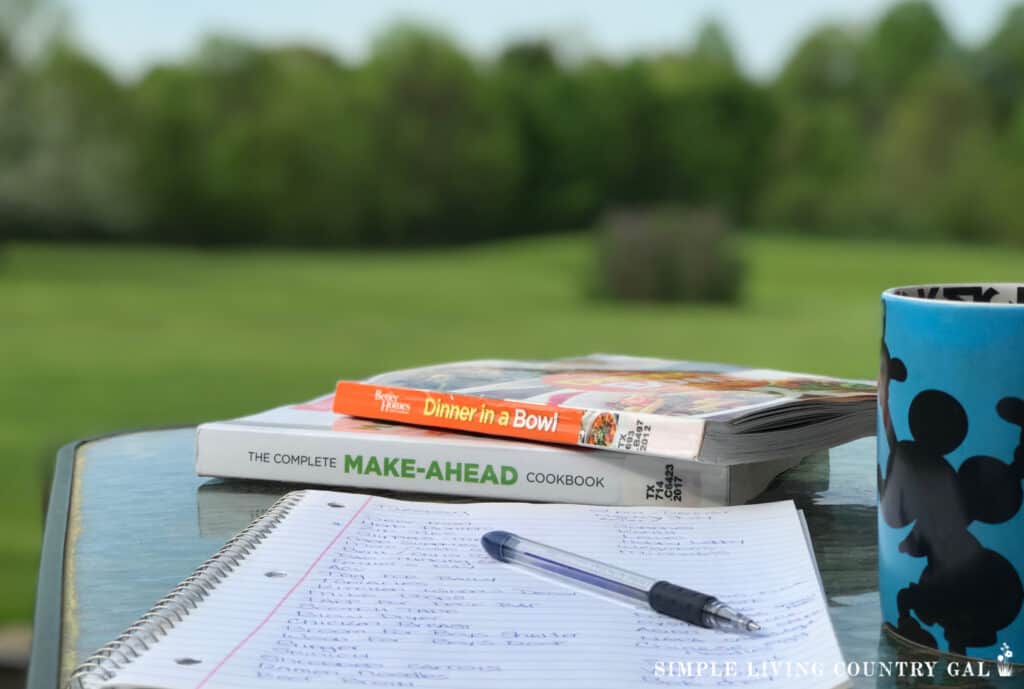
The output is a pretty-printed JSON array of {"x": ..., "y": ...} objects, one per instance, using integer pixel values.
[
  {"x": 1004, "y": 661},
  {"x": 390, "y": 402}
]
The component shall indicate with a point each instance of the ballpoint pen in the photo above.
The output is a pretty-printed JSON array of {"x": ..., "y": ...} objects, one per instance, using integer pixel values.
[{"x": 676, "y": 601}]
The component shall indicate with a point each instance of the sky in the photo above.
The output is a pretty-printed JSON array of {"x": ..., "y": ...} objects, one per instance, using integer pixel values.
[{"x": 130, "y": 35}]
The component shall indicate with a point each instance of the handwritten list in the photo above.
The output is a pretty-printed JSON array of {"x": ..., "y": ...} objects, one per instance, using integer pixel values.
[{"x": 357, "y": 591}]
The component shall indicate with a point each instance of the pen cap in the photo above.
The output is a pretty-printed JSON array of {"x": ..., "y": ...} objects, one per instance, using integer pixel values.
[{"x": 494, "y": 543}]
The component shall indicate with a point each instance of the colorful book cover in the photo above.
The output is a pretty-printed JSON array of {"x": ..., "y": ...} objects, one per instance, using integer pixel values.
[{"x": 678, "y": 409}]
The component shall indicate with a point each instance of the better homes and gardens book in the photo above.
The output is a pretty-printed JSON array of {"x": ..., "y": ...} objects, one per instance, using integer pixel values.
[{"x": 686, "y": 410}]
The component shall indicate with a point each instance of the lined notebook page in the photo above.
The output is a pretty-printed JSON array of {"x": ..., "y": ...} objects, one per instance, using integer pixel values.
[{"x": 386, "y": 593}]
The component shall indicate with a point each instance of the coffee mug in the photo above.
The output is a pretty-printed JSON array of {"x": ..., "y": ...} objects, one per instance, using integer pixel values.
[{"x": 950, "y": 465}]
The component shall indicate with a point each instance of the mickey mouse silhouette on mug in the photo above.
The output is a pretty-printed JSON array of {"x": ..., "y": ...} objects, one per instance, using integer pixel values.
[{"x": 950, "y": 390}]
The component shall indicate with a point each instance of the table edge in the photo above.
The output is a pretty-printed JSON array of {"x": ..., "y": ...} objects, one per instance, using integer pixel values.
[
  {"x": 47, "y": 619},
  {"x": 45, "y": 655}
]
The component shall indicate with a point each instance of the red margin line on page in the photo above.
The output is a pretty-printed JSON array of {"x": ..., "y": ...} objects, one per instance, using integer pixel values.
[{"x": 286, "y": 596}]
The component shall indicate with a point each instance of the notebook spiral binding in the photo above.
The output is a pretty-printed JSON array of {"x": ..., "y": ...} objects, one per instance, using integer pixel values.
[{"x": 185, "y": 597}]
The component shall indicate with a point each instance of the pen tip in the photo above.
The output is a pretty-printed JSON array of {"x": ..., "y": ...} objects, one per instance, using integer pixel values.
[{"x": 753, "y": 626}]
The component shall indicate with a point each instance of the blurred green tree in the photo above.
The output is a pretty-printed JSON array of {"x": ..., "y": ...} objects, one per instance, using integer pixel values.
[
  {"x": 715, "y": 126},
  {"x": 826, "y": 66},
  {"x": 624, "y": 145},
  {"x": 251, "y": 144},
  {"x": 30, "y": 27},
  {"x": 180, "y": 112},
  {"x": 421, "y": 144},
  {"x": 713, "y": 47},
  {"x": 908, "y": 40},
  {"x": 936, "y": 163},
  {"x": 561, "y": 120},
  {"x": 819, "y": 158},
  {"x": 64, "y": 162},
  {"x": 61, "y": 161},
  {"x": 445, "y": 157},
  {"x": 1001, "y": 65}
]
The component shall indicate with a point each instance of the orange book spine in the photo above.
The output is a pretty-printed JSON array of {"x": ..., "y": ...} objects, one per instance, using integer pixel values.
[{"x": 459, "y": 412}]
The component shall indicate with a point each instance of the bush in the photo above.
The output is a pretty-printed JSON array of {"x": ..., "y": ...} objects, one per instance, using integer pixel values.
[{"x": 668, "y": 254}]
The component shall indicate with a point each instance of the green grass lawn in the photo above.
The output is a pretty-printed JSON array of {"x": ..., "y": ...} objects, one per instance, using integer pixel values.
[{"x": 97, "y": 339}]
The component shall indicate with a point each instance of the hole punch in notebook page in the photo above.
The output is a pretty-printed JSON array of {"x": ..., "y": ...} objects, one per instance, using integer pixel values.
[{"x": 386, "y": 593}]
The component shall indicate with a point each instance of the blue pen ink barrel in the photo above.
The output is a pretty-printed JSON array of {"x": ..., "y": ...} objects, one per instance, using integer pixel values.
[{"x": 950, "y": 466}]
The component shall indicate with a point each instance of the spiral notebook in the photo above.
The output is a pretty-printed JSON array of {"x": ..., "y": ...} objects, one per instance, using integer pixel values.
[{"x": 332, "y": 589}]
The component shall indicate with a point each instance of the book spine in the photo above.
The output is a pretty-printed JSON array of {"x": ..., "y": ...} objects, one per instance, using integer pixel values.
[
  {"x": 666, "y": 436},
  {"x": 509, "y": 473}
]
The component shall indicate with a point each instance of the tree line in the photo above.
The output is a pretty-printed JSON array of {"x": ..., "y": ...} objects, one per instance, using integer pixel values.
[{"x": 889, "y": 129}]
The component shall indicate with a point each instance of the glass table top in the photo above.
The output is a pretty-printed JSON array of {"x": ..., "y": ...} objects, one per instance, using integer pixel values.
[{"x": 141, "y": 521}]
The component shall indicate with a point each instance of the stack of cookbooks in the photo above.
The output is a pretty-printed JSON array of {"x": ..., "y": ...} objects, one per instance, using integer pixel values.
[{"x": 599, "y": 429}]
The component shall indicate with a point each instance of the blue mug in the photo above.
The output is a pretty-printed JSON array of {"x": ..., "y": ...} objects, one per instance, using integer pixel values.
[{"x": 950, "y": 465}]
